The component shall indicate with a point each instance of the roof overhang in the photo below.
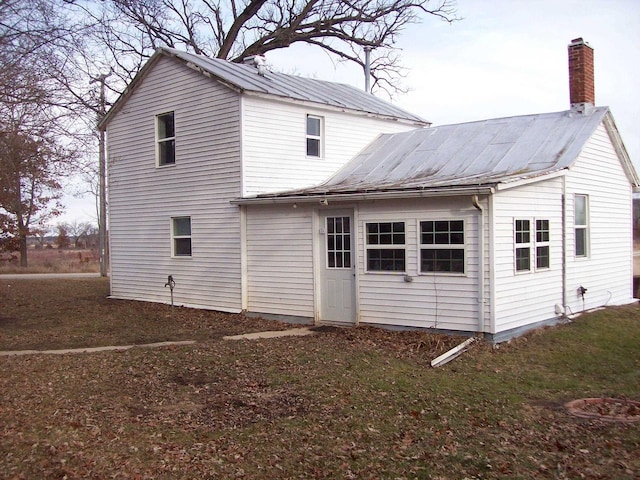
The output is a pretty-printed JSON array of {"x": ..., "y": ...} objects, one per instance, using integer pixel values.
[
  {"x": 506, "y": 185},
  {"x": 621, "y": 151},
  {"x": 325, "y": 198}
]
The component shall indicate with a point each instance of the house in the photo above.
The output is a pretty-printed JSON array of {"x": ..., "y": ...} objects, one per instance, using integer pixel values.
[
  {"x": 189, "y": 135},
  {"x": 491, "y": 227}
]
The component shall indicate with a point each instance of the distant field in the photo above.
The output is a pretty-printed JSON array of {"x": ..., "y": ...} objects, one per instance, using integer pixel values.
[{"x": 53, "y": 260}]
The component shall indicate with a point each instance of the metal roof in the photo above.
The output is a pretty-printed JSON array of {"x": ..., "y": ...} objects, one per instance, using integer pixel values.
[
  {"x": 467, "y": 155},
  {"x": 247, "y": 79}
]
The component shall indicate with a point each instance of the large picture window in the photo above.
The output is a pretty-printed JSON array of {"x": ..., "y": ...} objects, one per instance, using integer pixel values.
[
  {"x": 581, "y": 225},
  {"x": 181, "y": 236},
  {"x": 165, "y": 139},
  {"x": 442, "y": 246},
  {"x": 314, "y": 136},
  {"x": 385, "y": 247}
]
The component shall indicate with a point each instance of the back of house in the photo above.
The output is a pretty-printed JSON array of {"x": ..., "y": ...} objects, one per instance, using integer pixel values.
[
  {"x": 189, "y": 135},
  {"x": 314, "y": 202}
]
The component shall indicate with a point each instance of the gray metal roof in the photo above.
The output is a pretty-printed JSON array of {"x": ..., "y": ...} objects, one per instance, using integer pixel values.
[
  {"x": 482, "y": 153},
  {"x": 247, "y": 79}
]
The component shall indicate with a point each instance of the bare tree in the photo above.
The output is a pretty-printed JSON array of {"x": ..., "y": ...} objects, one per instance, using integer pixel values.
[
  {"x": 79, "y": 232},
  {"x": 33, "y": 119},
  {"x": 131, "y": 30}
]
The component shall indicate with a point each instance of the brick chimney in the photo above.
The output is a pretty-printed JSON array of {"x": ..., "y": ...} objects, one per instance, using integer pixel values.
[{"x": 581, "y": 84}]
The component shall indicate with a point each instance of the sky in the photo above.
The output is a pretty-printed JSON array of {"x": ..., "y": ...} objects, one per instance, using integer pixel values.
[{"x": 503, "y": 58}]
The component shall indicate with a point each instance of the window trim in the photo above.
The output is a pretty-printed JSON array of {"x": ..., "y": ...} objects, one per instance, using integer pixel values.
[
  {"x": 391, "y": 246},
  {"x": 542, "y": 243},
  {"x": 159, "y": 141},
  {"x": 319, "y": 137},
  {"x": 175, "y": 237},
  {"x": 443, "y": 246},
  {"x": 579, "y": 226},
  {"x": 532, "y": 245},
  {"x": 522, "y": 245}
]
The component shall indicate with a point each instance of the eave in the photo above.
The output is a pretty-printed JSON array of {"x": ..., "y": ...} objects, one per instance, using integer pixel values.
[{"x": 328, "y": 197}]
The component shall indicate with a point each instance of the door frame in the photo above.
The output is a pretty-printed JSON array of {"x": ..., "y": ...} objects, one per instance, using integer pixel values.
[{"x": 319, "y": 252}]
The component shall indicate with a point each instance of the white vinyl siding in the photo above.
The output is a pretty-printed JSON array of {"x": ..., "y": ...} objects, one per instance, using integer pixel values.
[
  {"x": 206, "y": 176},
  {"x": 521, "y": 296},
  {"x": 607, "y": 271},
  {"x": 437, "y": 300},
  {"x": 274, "y": 143},
  {"x": 280, "y": 260}
]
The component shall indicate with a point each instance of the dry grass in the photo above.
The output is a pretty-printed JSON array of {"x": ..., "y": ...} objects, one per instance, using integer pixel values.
[
  {"x": 345, "y": 403},
  {"x": 52, "y": 261}
]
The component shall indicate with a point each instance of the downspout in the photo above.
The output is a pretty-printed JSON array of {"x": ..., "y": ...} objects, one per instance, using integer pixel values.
[
  {"x": 476, "y": 204},
  {"x": 564, "y": 246}
]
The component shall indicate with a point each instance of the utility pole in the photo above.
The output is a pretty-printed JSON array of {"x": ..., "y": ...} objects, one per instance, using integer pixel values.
[{"x": 102, "y": 220}]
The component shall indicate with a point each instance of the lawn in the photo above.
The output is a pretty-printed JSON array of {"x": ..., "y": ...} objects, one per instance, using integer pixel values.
[{"x": 344, "y": 403}]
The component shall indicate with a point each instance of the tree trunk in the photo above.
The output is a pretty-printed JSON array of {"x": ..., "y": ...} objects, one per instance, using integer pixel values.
[{"x": 23, "y": 250}]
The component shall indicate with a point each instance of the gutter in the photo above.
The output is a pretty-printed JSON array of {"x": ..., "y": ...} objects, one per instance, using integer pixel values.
[{"x": 326, "y": 198}]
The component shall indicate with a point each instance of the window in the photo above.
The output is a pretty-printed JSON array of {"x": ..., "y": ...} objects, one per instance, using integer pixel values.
[
  {"x": 181, "y": 236},
  {"x": 314, "y": 136},
  {"x": 530, "y": 245},
  {"x": 442, "y": 246},
  {"x": 581, "y": 225},
  {"x": 385, "y": 247},
  {"x": 523, "y": 245},
  {"x": 338, "y": 242},
  {"x": 542, "y": 244},
  {"x": 165, "y": 139}
]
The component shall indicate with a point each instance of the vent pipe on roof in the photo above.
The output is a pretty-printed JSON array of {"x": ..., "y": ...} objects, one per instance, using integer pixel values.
[
  {"x": 581, "y": 76},
  {"x": 258, "y": 61},
  {"x": 367, "y": 69}
]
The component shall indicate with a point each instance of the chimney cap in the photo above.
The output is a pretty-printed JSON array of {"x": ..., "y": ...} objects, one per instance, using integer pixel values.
[{"x": 578, "y": 41}]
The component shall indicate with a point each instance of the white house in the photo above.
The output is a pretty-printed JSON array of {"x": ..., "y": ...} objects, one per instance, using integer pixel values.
[
  {"x": 310, "y": 204},
  {"x": 189, "y": 135}
]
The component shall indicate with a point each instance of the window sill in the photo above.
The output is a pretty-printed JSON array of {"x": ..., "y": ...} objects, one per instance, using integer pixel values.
[
  {"x": 444, "y": 274},
  {"x": 384, "y": 272}
]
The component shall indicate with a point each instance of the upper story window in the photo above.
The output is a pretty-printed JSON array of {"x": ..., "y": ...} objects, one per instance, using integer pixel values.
[
  {"x": 442, "y": 246},
  {"x": 314, "y": 136},
  {"x": 581, "y": 225},
  {"x": 165, "y": 139},
  {"x": 181, "y": 236},
  {"x": 385, "y": 247}
]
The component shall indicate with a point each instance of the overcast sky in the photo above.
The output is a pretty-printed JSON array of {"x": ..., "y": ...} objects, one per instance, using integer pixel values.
[{"x": 504, "y": 58}]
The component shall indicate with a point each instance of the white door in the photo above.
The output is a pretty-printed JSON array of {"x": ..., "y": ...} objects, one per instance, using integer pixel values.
[{"x": 337, "y": 268}]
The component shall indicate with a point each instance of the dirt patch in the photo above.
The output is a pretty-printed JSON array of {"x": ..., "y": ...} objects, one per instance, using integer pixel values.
[{"x": 606, "y": 409}]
